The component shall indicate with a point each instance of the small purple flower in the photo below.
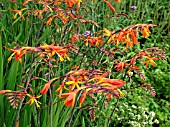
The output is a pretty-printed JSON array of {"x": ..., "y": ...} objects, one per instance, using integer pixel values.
[
  {"x": 2, "y": 5},
  {"x": 79, "y": 35},
  {"x": 87, "y": 33},
  {"x": 133, "y": 8}
]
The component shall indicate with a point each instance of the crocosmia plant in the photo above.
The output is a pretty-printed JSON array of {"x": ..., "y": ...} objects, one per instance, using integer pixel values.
[{"x": 65, "y": 57}]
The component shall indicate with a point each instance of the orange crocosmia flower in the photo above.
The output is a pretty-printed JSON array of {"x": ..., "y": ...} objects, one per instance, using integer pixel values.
[
  {"x": 46, "y": 87},
  {"x": 70, "y": 100},
  {"x": 70, "y": 3},
  {"x": 74, "y": 82},
  {"x": 109, "y": 96},
  {"x": 52, "y": 50},
  {"x": 118, "y": 1},
  {"x": 134, "y": 37},
  {"x": 18, "y": 12},
  {"x": 132, "y": 61},
  {"x": 83, "y": 96},
  {"x": 120, "y": 35},
  {"x": 74, "y": 38},
  {"x": 49, "y": 20},
  {"x": 110, "y": 6},
  {"x": 114, "y": 82},
  {"x": 120, "y": 66},
  {"x": 18, "y": 54},
  {"x": 78, "y": 4},
  {"x": 5, "y": 91},
  {"x": 26, "y": 2},
  {"x": 150, "y": 60},
  {"x": 108, "y": 33},
  {"x": 95, "y": 41},
  {"x": 128, "y": 43},
  {"x": 39, "y": 13},
  {"x": 33, "y": 100},
  {"x": 145, "y": 32}
]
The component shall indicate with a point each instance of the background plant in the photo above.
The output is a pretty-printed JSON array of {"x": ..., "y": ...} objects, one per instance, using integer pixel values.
[{"x": 89, "y": 49}]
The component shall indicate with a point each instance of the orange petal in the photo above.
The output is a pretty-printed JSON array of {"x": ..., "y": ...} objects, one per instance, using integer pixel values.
[
  {"x": 46, "y": 87},
  {"x": 110, "y": 6},
  {"x": 115, "y": 82},
  {"x": 83, "y": 97},
  {"x": 4, "y": 91}
]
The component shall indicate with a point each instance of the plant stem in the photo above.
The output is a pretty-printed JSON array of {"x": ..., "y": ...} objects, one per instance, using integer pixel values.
[
  {"x": 112, "y": 112},
  {"x": 73, "y": 110},
  {"x": 26, "y": 87},
  {"x": 51, "y": 108}
]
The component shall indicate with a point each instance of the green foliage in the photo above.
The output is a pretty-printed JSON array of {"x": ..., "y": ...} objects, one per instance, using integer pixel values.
[{"x": 138, "y": 108}]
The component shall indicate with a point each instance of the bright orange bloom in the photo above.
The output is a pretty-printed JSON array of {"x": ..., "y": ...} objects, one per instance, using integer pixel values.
[
  {"x": 52, "y": 50},
  {"x": 50, "y": 20},
  {"x": 83, "y": 96},
  {"x": 145, "y": 32},
  {"x": 39, "y": 13},
  {"x": 5, "y": 91},
  {"x": 128, "y": 43},
  {"x": 114, "y": 82},
  {"x": 74, "y": 82},
  {"x": 121, "y": 35},
  {"x": 118, "y": 1},
  {"x": 26, "y": 2},
  {"x": 78, "y": 4},
  {"x": 95, "y": 41},
  {"x": 33, "y": 100},
  {"x": 47, "y": 86},
  {"x": 70, "y": 3},
  {"x": 120, "y": 66},
  {"x": 71, "y": 97},
  {"x": 18, "y": 12},
  {"x": 134, "y": 37},
  {"x": 62, "y": 17},
  {"x": 110, "y": 6},
  {"x": 150, "y": 60},
  {"x": 18, "y": 54}
]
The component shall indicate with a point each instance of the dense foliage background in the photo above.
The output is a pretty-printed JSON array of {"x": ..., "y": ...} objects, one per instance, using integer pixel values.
[{"x": 137, "y": 108}]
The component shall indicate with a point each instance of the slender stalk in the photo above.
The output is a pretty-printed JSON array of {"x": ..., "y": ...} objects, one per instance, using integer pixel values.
[
  {"x": 73, "y": 110},
  {"x": 51, "y": 109},
  {"x": 117, "y": 101},
  {"x": 26, "y": 87}
]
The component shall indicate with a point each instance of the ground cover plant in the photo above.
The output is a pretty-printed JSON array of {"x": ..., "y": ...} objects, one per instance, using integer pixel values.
[{"x": 84, "y": 63}]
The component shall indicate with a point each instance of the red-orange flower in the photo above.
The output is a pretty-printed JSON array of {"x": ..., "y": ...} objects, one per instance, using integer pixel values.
[
  {"x": 114, "y": 82},
  {"x": 120, "y": 66},
  {"x": 51, "y": 50},
  {"x": 18, "y": 12},
  {"x": 50, "y": 20},
  {"x": 70, "y": 2},
  {"x": 134, "y": 37},
  {"x": 145, "y": 32},
  {"x": 18, "y": 54},
  {"x": 118, "y": 1},
  {"x": 33, "y": 100},
  {"x": 39, "y": 13},
  {"x": 47, "y": 86},
  {"x": 71, "y": 97},
  {"x": 95, "y": 41},
  {"x": 4, "y": 91},
  {"x": 150, "y": 60},
  {"x": 110, "y": 6},
  {"x": 128, "y": 43}
]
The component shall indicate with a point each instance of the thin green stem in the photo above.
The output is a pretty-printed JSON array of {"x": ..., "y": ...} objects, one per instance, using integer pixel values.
[{"x": 117, "y": 101}]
